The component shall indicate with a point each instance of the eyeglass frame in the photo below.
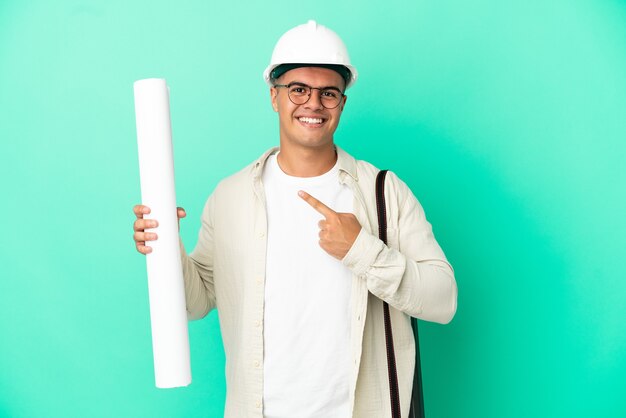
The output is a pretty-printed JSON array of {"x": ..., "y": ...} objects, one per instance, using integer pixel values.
[{"x": 321, "y": 89}]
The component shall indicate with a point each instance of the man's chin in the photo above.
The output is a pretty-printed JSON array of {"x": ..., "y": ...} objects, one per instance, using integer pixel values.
[{"x": 317, "y": 142}]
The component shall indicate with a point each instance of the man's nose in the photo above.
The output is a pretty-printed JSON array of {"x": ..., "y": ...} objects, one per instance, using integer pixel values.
[{"x": 315, "y": 100}]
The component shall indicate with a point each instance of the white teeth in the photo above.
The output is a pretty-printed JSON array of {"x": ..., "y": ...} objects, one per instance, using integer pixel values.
[{"x": 310, "y": 120}]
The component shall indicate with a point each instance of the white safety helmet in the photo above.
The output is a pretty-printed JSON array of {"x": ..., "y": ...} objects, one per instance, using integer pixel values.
[{"x": 314, "y": 44}]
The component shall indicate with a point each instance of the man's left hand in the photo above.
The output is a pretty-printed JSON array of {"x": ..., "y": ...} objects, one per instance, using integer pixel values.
[{"x": 338, "y": 231}]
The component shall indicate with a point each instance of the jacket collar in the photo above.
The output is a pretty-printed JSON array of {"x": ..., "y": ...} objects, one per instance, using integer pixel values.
[
  {"x": 346, "y": 162},
  {"x": 257, "y": 167}
]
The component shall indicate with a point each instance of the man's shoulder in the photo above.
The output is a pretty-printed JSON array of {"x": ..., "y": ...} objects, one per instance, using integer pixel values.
[
  {"x": 359, "y": 169},
  {"x": 243, "y": 179},
  {"x": 366, "y": 172},
  {"x": 237, "y": 179}
]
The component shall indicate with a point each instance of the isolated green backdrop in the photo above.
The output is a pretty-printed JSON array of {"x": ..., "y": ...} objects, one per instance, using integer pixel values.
[{"x": 507, "y": 119}]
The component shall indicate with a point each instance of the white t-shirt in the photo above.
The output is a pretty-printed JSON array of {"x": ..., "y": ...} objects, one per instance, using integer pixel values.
[{"x": 307, "y": 297}]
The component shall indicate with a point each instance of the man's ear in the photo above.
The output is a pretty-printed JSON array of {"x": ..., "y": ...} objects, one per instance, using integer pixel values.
[{"x": 273, "y": 94}]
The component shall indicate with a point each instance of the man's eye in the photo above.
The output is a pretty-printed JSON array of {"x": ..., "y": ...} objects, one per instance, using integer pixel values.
[
  {"x": 298, "y": 90},
  {"x": 331, "y": 94}
]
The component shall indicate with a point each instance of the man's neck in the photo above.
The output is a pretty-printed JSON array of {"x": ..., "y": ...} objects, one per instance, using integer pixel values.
[{"x": 305, "y": 162}]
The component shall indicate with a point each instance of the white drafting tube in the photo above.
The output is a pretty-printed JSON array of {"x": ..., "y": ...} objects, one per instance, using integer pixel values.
[{"x": 166, "y": 289}]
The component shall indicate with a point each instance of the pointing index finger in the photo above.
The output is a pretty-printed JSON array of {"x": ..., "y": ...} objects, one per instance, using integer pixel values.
[{"x": 316, "y": 204}]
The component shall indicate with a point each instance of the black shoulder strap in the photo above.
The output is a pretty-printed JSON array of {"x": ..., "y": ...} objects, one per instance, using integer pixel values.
[
  {"x": 417, "y": 398},
  {"x": 380, "y": 205},
  {"x": 391, "y": 356}
]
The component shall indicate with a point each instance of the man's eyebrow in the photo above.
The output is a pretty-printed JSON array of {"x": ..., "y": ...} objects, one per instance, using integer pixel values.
[{"x": 300, "y": 83}]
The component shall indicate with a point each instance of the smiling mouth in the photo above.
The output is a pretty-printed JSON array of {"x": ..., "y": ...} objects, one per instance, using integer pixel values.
[{"x": 311, "y": 121}]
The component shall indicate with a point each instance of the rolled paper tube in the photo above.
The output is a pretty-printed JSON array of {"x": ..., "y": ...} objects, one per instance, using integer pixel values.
[{"x": 166, "y": 289}]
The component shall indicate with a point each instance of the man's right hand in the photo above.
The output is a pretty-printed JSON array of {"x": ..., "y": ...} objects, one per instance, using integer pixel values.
[{"x": 140, "y": 236}]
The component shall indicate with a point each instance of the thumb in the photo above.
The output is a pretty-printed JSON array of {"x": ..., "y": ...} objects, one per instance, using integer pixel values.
[{"x": 180, "y": 213}]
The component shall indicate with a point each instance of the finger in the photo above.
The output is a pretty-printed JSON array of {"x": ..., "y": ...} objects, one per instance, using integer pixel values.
[
  {"x": 143, "y": 249},
  {"x": 141, "y": 224},
  {"x": 180, "y": 212},
  {"x": 323, "y": 224},
  {"x": 145, "y": 236},
  {"x": 140, "y": 210},
  {"x": 316, "y": 204}
]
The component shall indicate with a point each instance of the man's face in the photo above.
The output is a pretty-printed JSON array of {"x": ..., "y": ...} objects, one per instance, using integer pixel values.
[{"x": 308, "y": 125}]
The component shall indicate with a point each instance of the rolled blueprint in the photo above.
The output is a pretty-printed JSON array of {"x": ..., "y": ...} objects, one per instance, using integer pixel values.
[{"x": 166, "y": 289}]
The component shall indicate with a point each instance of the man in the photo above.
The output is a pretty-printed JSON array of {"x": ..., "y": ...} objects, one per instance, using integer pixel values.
[{"x": 288, "y": 252}]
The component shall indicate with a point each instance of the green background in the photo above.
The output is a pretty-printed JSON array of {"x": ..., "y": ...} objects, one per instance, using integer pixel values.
[{"x": 506, "y": 118}]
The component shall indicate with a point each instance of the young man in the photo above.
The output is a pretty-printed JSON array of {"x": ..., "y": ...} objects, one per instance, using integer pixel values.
[{"x": 289, "y": 254}]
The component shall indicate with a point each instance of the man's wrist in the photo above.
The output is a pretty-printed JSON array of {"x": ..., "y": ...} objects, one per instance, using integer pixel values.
[{"x": 363, "y": 252}]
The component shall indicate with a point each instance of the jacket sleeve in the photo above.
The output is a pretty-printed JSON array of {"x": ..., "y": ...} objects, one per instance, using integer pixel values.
[
  {"x": 198, "y": 268},
  {"x": 415, "y": 278}
]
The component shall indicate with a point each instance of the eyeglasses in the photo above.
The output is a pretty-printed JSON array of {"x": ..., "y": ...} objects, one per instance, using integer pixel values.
[{"x": 300, "y": 93}]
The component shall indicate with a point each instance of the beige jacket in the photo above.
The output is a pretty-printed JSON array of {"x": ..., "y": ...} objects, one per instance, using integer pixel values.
[{"x": 227, "y": 270}]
